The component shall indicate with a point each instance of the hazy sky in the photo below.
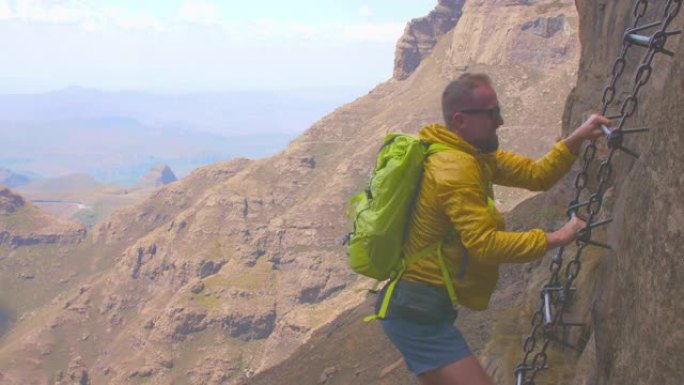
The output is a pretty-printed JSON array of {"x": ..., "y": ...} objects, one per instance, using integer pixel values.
[{"x": 199, "y": 45}]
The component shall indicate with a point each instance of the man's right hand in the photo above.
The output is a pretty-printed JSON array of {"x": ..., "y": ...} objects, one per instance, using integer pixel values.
[
  {"x": 591, "y": 129},
  {"x": 566, "y": 234}
]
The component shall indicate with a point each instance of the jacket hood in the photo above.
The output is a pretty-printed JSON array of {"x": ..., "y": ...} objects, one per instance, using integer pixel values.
[{"x": 437, "y": 133}]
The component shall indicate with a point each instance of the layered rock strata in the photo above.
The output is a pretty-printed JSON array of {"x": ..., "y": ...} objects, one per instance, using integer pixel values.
[{"x": 421, "y": 35}]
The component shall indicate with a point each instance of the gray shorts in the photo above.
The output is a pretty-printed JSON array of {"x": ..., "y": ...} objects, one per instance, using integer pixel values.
[{"x": 419, "y": 322}]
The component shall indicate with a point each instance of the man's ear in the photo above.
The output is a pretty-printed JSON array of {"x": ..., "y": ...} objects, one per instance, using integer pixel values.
[{"x": 456, "y": 120}]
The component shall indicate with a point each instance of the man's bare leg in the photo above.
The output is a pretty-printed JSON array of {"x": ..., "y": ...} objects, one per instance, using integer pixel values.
[{"x": 466, "y": 371}]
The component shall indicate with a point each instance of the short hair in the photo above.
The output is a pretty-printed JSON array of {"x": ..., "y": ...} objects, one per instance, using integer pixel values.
[{"x": 459, "y": 91}]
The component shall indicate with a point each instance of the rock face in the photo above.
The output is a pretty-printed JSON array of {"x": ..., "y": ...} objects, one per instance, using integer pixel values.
[
  {"x": 159, "y": 175},
  {"x": 77, "y": 373},
  {"x": 505, "y": 32},
  {"x": 545, "y": 27},
  {"x": 626, "y": 297},
  {"x": 421, "y": 35},
  {"x": 637, "y": 317}
]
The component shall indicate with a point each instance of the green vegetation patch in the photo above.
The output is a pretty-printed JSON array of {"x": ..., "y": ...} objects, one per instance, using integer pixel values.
[
  {"x": 211, "y": 343},
  {"x": 88, "y": 217},
  {"x": 207, "y": 300},
  {"x": 215, "y": 252},
  {"x": 20, "y": 220},
  {"x": 551, "y": 7},
  {"x": 257, "y": 277}
]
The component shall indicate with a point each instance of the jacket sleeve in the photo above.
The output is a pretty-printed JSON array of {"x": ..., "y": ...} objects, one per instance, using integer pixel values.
[
  {"x": 517, "y": 171},
  {"x": 463, "y": 198}
]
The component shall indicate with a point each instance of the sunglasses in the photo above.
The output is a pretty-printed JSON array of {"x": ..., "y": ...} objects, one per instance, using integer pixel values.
[{"x": 493, "y": 113}]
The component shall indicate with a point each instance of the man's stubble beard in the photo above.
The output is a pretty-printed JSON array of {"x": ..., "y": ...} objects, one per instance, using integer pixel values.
[{"x": 489, "y": 146}]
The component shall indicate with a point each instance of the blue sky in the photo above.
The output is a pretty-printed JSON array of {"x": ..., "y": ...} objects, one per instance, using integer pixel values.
[{"x": 199, "y": 45}]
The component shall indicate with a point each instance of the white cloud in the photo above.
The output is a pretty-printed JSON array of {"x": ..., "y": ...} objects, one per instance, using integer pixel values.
[
  {"x": 75, "y": 12},
  {"x": 373, "y": 32},
  {"x": 269, "y": 29},
  {"x": 91, "y": 18},
  {"x": 365, "y": 11},
  {"x": 184, "y": 55},
  {"x": 5, "y": 11},
  {"x": 124, "y": 19},
  {"x": 65, "y": 11},
  {"x": 302, "y": 31},
  {"x": 198, "y": 12},
  {"x": 273, "y": 30},
  {"x": 264, "y": 29}
]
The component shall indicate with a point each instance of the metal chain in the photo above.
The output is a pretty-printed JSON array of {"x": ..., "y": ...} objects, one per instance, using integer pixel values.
[{"x": 556, "y": 293}]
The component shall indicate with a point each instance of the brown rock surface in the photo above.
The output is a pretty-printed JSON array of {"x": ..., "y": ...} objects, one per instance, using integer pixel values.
[
  {"x": 636, "y": 313},
  {"x": 421, "y": 35}
]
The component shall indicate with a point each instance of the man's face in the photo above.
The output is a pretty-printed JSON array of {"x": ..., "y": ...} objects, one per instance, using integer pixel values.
[{"x": 479, "y": 119}]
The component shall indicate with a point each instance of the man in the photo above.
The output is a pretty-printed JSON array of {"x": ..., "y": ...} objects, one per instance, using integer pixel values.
[{"x": 455, "y": 209}]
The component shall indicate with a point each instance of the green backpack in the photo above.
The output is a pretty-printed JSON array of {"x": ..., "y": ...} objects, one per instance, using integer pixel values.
[{"x": 382, "y": 212}]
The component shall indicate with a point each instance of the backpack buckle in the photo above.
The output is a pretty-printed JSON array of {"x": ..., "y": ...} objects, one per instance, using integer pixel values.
[{"x": 346, "y": 238}]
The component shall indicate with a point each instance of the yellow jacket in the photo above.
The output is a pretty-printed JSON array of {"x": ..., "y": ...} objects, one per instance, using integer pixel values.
[{"x": 452, "y": 206}]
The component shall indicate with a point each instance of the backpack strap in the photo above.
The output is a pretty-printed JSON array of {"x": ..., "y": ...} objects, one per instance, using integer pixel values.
[
  {"x": 386, "y": 298},
  {"x": 433, "y": 148},
  {"x": 446, "y": 277}
]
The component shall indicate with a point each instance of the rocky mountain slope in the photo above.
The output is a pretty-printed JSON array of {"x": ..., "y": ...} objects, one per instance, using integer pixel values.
[
  {"x": 40, "y": 255},
  {"x": 230, "y": 270},
  {"x": 23, "y": 224}
]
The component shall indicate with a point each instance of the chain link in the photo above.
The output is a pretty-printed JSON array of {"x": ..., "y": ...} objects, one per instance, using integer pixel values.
[{"x": 556, "y": 294}]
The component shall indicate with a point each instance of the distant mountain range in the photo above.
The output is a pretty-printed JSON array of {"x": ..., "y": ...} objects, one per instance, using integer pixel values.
[
  {"x": 10, "y": 179},
  {"x": 117, "y": 137},
  {"x": 227, "y": 113},
  {"x": 82, "y": 198}
]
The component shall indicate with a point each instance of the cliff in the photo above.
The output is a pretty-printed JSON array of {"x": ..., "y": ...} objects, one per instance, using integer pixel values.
[
  {"x": 637, "y": 335},
  {"x": 632, "y": 331},
  {"x": 421, "y": 35}
]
